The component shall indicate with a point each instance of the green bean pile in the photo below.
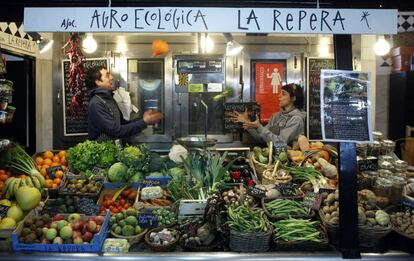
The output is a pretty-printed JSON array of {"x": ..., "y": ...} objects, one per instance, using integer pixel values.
[
  {"x": 297, "y": 230},
  {"x": 286, "y": 208},
  {"x": 244, "y": 219}
]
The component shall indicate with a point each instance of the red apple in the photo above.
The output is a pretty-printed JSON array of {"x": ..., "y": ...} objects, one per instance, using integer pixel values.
[
  {"x": 78, "y": 240},
  {"x": 78, "y": 225},
  {"x": 76, "y": 234},
  {"x": 99, "y": 220},
  {"x": 91, "y": 226},
  {"x": 87, "y": 237},
  {"x": 45, "y": 241}
]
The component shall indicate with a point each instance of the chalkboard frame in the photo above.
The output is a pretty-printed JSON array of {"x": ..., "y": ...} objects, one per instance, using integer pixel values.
[
  {"x": 65, "y": 132},
  {"x": 312, "y": 138}
]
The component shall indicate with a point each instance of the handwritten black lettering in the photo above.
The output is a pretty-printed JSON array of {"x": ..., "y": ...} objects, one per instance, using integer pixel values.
[
  {"x": 66, "y": 23},
  {"x": 325, "y": 14},
  {"x": 313, "y": 19},
  {"x": 302, "y": 15},
  {"x": 200, "y": 15},
  {"x": 113, "y": 18},
  {"x": 146, "y": 18},
  {"x": 339, "y": 17},
  {"x": 188, "y": 19},
  {"x": 95, "y": 16},
  {"x": 137, "y": 18},
  {"x": 276, "y": 14},
  {"x": 159, "y": 20},
  {"x": 254, "y": 17},
  {"x": 238, "y": 21},
  {"x": 124, "y": 17},
  {"x": 105, "y": 19},
  {"x": 289, "y": 18}
]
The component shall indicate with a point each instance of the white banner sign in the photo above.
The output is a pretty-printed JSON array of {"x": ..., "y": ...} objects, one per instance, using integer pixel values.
[{"x": 242, "y": 20}]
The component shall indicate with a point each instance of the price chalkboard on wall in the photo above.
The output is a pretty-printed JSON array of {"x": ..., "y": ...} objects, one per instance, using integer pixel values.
[
  {"x": 313, "y": 90},
  {"x": 252, "y": 108},
  {"x": 77, "y": 125}
]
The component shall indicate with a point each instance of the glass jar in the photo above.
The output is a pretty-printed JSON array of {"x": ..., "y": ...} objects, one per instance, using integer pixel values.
[
  {"x": 398, "y": 184},
  {"x": 377, "y": 135},
  {"x": 384, "y": 173},
  {"x": 370, "y": 178},
  {"x": 400, "y": 166},
  {"x": 386, "y": 158},
  {"x": 362, "y": 149},
  {"x": 386, "y": 165},
  {"x": 383, "y": 187},
  {"x": 374, "y": 149},
  {"x": 387, "y": 147}
]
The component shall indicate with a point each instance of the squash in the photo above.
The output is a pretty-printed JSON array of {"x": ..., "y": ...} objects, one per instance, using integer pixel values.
[
  {"x": 327, "y": 169},
  {"x": 303, "y": 143},
  {"x": 159, "y": 47}
]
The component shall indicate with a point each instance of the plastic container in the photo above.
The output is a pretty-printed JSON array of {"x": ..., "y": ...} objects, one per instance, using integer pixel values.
[
  {"x": 387, "y": 147},
  {"x": 400, "y": 166},
  {"x": 398, "y": 184},
  {"x": 369, "y": 178},
  {"x": 94, "y": 247},
  {"x": 384, "y": 173},
  {"x": 383, "y": 187},
  {"x": 386, "y": 158},
  {"x": 115, "y": 245}
]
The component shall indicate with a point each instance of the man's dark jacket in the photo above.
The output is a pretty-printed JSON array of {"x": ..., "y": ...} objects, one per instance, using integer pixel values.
[{"x": 105, "y": 117}]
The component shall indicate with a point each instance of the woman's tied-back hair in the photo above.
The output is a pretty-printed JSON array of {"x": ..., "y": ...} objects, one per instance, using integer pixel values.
[{"x": 295, "y": 91}]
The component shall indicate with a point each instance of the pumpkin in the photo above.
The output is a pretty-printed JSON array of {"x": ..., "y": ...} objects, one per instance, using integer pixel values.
[{"x": 159, "y": 47}]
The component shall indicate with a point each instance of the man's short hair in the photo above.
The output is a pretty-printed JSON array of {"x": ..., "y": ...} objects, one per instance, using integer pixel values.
[{"x": 93, "y": 74}]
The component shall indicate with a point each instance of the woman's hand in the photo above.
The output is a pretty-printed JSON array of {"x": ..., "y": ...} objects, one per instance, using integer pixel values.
[{"x": 242, "y": 117}]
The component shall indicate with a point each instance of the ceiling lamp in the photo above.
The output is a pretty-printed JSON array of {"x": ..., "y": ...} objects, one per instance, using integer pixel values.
[
  {"x": 382, "y": 47},
  {"x": 89, "y": 44},
  {"x": 206, "y": 44},
  {"x": 233, "y": 47}
]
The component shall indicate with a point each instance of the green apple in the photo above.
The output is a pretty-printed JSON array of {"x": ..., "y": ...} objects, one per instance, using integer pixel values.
[
  {"x": 51, "y": 234},
  {"x": 73, "y": 217},
  {"x": 66, "y": 232}
]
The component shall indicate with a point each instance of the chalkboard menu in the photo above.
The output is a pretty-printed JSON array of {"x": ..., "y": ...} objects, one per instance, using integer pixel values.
[
  {"x": 253, "y": 109},
  {"x": 77, "y": 125},
  {"x": 314, "y": 67}
]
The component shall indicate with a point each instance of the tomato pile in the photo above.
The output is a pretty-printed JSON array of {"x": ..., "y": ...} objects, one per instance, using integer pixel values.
[{"x": 124, "y": 201}]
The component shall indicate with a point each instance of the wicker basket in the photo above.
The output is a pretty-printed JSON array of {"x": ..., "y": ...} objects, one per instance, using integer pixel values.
[
  {"x": 250, "y": 242},
  {"x": 194, "y": 248},
  {"x": 132, "y": 240},
  {"x": 161, "y": 248},
  {"x": 368, "y": 236},
  {"x": 304, "y": 245},
  {"x": 259, "y": 167},
  {"x": 274, "y": 218}
]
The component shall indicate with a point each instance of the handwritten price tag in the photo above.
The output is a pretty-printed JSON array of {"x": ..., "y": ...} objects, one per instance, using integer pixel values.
[
  {"x": 312, "y": 200},
  {"x": 148, "y": 220}
]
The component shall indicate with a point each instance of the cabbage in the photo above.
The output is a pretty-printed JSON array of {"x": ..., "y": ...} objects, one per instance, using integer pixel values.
[{"x": 117, "y": 172}]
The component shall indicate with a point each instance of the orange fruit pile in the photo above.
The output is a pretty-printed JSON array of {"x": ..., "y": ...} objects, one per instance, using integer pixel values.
[
  {"x": 49, "y": 159},
  {"x": 4, "y": 175}
]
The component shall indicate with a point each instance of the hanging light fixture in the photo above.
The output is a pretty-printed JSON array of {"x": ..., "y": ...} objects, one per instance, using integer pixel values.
[
  {"x": 233, "y": 47},
  {"x": 382, "y": 46},
  {"x": 206, "y": 44},
  {"x": 89, "y": 44}
]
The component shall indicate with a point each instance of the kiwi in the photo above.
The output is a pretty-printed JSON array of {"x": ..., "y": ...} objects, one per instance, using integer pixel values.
[
  {"x": 39, "y": 223},
  {"x": 32, "y": 227},
  {"x": 39, "y": 232},
  {"x": 25, "y": 232},
  {"x": 28, "y": 222},
  {"x": 46, "y": 218},
  {"x": 30, "y": 238}
]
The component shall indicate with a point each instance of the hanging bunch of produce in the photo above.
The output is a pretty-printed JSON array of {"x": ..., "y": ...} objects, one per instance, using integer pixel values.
[{"x": 76, "y": 74}]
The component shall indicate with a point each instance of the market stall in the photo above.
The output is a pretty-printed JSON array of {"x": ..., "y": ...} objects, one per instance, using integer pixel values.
[{"x": 195, "y": 182}]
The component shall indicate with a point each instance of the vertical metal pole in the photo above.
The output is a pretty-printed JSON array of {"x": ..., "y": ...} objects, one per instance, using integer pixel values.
[{"x": 348, "y": 214}]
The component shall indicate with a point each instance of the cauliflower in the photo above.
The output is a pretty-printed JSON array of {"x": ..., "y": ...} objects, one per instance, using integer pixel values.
[{"x": 176, "y": 151}]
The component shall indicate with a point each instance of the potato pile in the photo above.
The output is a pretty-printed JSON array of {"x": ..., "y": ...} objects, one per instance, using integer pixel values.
[{"x": 404, "y": 222}]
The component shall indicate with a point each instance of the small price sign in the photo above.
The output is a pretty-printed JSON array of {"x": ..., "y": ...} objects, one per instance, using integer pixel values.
[
  {"x": 329, "y": 191},
  {"x": 51, "y": 172},
  {"x": 256, "y": 192},
  {"x": 407, "y": 204},
  {"x": 368, "y": 164},
  {"x": 287, "y": 189},
  {"x": 148, "y": 220},
  {"x": 150, "y": 183},
  {"x": 312, "y": 200}
]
